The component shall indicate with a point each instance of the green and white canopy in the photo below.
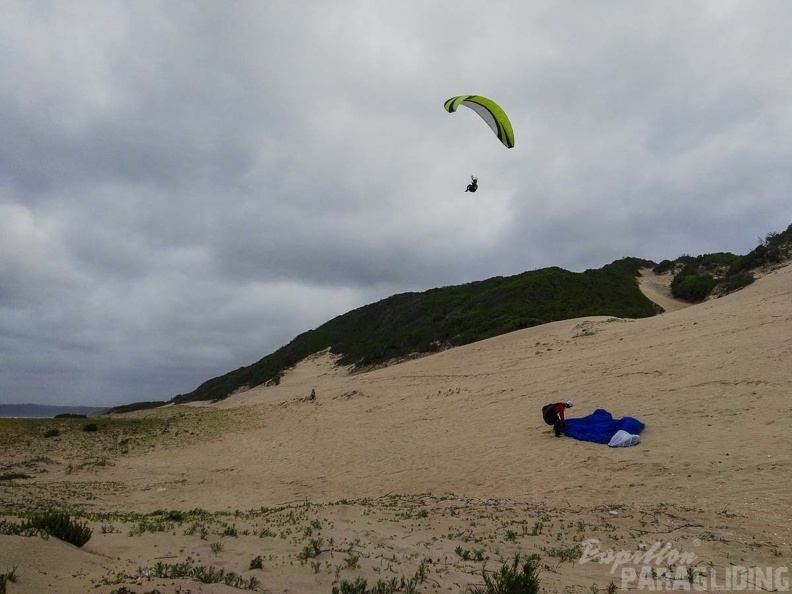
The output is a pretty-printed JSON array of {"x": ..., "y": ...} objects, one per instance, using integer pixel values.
[{"x": 489, "y": 111}]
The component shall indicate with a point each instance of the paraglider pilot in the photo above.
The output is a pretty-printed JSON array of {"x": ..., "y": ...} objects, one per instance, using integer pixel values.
[
  {"x": 553, "y": 414},
  {"x": 473, "y": 185}
]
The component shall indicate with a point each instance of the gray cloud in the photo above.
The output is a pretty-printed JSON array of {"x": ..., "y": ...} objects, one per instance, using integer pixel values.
[{"x": 186, "y": 187}]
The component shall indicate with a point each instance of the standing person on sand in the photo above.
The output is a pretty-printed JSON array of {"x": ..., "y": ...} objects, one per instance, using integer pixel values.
[
  {"x": 313, "y": 395},
  {"x": 553, "y": 414}
]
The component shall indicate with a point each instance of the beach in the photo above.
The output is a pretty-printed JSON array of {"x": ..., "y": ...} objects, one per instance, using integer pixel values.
[{"x": 436, "y": 467}]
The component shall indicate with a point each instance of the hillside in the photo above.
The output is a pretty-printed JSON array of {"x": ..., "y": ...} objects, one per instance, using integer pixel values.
[
  {"x": 412, "y": 324},
  {"x": 415, "y": 323}
]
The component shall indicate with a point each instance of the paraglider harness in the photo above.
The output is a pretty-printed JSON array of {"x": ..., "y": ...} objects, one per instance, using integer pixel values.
[
  {"x": 473, "y": 185},
  {"x": 548, "y": 413},
  {"x": 551, "y": 418}
]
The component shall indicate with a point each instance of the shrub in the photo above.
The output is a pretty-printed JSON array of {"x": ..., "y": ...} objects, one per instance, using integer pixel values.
[
  {"x": 521, "y": 577},
  {"x": 91, "y": 427},
  {"x": 736, "y": 282},
  {"x": 5, "y": 578},
  {"x": 51, "y": 433},
  {"x": 664, "y": 266},
  {"x": 691, "y": 286},
  {"x": 257, "y": 562},
  {"x": 60, "y": 525},
  {"x": 175, "y": 516}
]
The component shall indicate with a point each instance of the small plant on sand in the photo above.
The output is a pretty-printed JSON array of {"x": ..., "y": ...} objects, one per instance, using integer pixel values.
[
  {"x": 567, "y": 554},
  {"x": 7, "y": 577},
  {"x": 612, "y": 588},
  {"x": 206, "y": 575},
  {"x": 60, "y": 525},
  {"x": 463, "y": 553},
  {"x": 519, "y": 577},
  {"x": 312, "y": 550},
  {"x": 13, "y": 529},
  {"x": 257, "y": 562},
  {"x": 359, "y": 586},
  {"x": 216, "y": 547},
  {"x": 352, "y": 561},
  {"x": 423, "y": 569}
]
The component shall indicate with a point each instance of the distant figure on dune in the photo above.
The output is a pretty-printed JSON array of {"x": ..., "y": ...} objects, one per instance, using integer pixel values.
[
  {"x": 313, "y": 395},
  {"x": 473, "y": 185},
  {"x": 553, "y": 414}
]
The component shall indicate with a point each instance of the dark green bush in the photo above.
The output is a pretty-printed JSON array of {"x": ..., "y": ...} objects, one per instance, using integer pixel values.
[
  {"x": 775, "y": 247},
  {"x": 693, "y": 287},
  {"x": 737, "y": 281},
  {"x": 664, "y": 266},
  {"x": 51, "y": 433},
  {"x": 60, "y": 525},
  {"x": 175, "y": 516},
  {"x": 91, "y": 427}
]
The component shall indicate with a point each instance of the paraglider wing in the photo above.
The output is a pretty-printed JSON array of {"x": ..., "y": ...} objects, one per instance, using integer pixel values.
[{"x": 489, "y": 111}]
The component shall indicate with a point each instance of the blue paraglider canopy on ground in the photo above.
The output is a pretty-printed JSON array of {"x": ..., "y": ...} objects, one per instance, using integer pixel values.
[{"x": 600, "y": 426}]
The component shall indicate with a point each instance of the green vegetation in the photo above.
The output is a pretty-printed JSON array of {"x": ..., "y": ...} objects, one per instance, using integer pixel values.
[
  {"x": 418, "y": 323},
  {"x": 202, "y": 573},
  {"x": 116, "y": 435},
  {"x": 696, "y": 278},
  {"x": 60, "y": 525},
  {"x": 7, "y": 577},
  {"x": 136, "y": 406},
  {"x": 392, "y": 586},
  {"x": 450, "y": 316},
  {"x": 517, "y": 578},
  {"x": 55, "y": 523},
  {"x": 717, "y": 274},
  {"x": 692, "y": 284},
  {"x": 774, "y": 248},
  {"x": 424, "y": 567}
]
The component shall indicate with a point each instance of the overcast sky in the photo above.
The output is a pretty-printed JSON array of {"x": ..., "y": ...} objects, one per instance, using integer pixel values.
[{"x": 186, "y": 186}]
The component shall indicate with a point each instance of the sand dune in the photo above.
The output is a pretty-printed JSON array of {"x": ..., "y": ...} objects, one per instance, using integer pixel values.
[{"x": 459, "y": 434}]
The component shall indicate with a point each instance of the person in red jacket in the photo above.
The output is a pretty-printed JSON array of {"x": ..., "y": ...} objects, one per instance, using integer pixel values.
[{"x": 553, "y": 414}]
